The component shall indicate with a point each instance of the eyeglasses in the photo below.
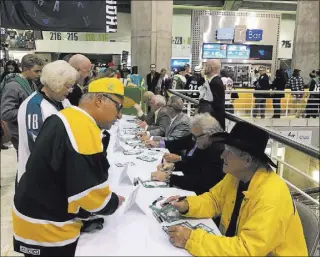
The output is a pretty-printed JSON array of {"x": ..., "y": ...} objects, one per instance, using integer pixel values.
[
  {"x": 197, "y": 137},
  {"x": 119, "y": 106},
  {"x": 70, "y": 89}
]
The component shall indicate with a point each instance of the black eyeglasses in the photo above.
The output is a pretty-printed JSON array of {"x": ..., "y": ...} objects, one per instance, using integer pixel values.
[
  {"x": 196, "y": 137},
  {"x": 119, "y": 106}
]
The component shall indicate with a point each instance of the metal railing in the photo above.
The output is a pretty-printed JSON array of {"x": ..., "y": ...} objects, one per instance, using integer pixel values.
[
  {"x": 278, "y": 141},
  {"x": 267, "y": 103}
]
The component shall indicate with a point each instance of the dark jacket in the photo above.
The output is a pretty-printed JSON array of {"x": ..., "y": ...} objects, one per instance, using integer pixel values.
[
  {"x": 202, "y": 171},
  {"x": 183, "y": 144},
  {"x": 217, "y": 109},
  {"x": 12, "y": 96},
  {"x": 279, "y": 85},
  {"x": 263, "y": 83},
  {"x": 151, "y": 84},
  {"x": 75, "y": 95}
]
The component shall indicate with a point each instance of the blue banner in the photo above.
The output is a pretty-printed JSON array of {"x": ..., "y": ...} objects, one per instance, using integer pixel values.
[{"x": 254, "y": 35}]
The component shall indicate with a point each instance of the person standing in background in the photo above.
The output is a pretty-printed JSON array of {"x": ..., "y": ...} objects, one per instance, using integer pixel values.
[
  {"x": 296, "y": 83},
  {"x": 188, "y": 73},
  {"x": 163, "y": 83},
  {"x": 228, "y": 86},
  {"x": 263, "y": 83},
  {"x": 212, "y": 93},
  {"x": 10, "y": 67},
  {"x": 313, "y": 105},
  {"x": 16, "y": 90},
  {"x": 194, "y": 82},
  {"x": 279, "y": 85},
  {"x": 152, "y": 79},
  {"x": 134, "y": 79},
  {"x": 179, "y": 80},
  {"x": 83, "y": 65}
]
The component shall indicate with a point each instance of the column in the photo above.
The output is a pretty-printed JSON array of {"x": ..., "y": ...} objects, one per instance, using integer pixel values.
[
  {"x": 306, "y": 52},
  {"x": 151, "y": 34}
]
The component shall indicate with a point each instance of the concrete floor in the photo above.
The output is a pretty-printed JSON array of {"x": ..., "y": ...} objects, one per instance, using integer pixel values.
[{"x": 8, "y": 174}]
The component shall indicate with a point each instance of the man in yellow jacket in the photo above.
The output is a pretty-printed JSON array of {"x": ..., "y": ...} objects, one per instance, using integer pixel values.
[{"x": 258, "y": 215}]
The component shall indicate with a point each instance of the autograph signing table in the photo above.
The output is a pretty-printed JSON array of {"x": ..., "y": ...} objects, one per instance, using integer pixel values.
[{"x": 133, "y": 229}]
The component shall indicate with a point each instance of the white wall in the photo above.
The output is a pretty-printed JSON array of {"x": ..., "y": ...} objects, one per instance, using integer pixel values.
[
  {"x": 287, "y": 28},
  {"x": 182, "y": 28}
]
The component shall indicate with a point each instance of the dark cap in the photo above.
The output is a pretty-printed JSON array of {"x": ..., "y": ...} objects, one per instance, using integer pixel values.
[
  {"x": 180, "y": 69},
  {"x": 296, "y": 70}
]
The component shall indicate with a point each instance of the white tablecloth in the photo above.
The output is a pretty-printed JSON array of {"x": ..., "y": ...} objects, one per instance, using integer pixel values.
[{"x": 135, "y": 232}]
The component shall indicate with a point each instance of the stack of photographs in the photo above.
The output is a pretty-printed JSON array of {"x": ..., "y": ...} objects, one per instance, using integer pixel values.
[{"x": 146, "y": 158}]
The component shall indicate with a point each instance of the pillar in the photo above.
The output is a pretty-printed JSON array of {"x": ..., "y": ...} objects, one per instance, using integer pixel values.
[
  {"x": 151, "y": 34},
  {"x": 306, "y": 52}
]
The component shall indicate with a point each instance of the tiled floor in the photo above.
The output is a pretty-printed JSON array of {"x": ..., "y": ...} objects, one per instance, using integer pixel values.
[{"x": 8, "y": 173}]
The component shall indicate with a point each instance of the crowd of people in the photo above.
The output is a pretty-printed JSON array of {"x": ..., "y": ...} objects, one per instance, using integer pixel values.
[{"x": 60, "y": 132}]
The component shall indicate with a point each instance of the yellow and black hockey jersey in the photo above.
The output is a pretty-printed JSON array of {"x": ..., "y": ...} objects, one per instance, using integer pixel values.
[{"x": 66, "y": 174}]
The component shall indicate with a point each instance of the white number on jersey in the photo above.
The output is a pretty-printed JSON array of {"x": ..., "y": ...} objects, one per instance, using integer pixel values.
[{"x": 33, "y": 121}]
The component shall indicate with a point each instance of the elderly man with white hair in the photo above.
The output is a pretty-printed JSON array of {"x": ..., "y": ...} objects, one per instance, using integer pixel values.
[
  {"x": 202, "y": 167},
  {"x": 258, "y": 215},
  {"x": 58, "y": 79},
  {"x": 160, "y": 119}
]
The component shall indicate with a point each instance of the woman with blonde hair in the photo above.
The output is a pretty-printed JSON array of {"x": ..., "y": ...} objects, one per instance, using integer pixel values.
[{"x": 57, "y": 79}]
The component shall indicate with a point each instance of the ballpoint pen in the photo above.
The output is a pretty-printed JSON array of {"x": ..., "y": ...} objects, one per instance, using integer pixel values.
[{"x": 177, "y": 200}]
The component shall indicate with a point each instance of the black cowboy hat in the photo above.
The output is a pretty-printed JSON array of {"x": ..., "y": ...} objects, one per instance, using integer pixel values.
[{"x": 247, "y": 138}]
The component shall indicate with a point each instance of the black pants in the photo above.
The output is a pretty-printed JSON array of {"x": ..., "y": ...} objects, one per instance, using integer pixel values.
[
  {"x": 259, "y": 107},
  {"x": 277, "y": 108}
]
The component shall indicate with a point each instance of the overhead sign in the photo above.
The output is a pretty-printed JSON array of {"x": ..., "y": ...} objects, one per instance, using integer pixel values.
[
  {"x": 74, "y": 36},
  {"x": 225, "y": 34},
  {"x": 239, "y": 33},
  {"x": 54, "y": 15},
  {"x": 254, "y": 35}
]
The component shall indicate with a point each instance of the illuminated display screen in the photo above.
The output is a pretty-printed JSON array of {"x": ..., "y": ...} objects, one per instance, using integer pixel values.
[
  {"x": 214, "y": 51},
  {"x": 238, "y": 52}
]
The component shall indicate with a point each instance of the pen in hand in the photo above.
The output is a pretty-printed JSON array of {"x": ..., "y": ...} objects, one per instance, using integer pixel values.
[{"x": 177, "y": 200}]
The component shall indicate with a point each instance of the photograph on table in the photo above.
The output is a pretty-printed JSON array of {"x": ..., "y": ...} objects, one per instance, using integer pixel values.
[
  {"x": 150, "y": 183},
  {"x": 123, "y": 164},
  {"x": 132, "y": 152},
  {"x": 167, "y": 213},
  {"x": 204, "y": 227},
  {"x": 184, "y": 224},
  {"x": 146, "y": 158}
]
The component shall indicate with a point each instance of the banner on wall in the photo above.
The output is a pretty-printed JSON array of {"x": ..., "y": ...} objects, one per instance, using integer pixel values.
[{"x": 54, "y": 15}]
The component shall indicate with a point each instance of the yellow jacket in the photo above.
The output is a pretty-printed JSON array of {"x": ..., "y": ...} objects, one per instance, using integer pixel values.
[{"x": 268, "y": 223}]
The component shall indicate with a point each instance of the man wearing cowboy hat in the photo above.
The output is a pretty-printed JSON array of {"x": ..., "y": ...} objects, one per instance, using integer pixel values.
[{"x": 258, "y": 216}]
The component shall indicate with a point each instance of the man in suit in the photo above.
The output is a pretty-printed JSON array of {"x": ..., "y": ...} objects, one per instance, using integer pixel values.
[
  {"x": 147, "y": 99},
  {"x": 203, "y": 166},
  {"x": 179, "y": 124},
  {"x": 212, "y": 93},
  {"x": 160, "y": 119},
  {"x": 152, "y": 79}
]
